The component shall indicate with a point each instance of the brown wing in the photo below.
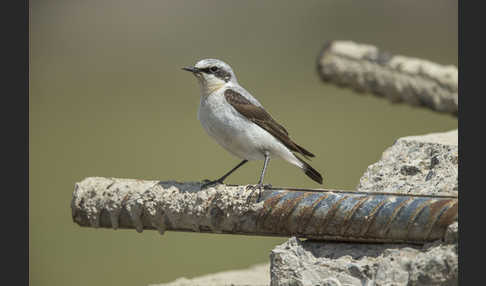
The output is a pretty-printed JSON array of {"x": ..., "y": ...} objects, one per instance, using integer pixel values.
[{"x": 259, "y": 116}]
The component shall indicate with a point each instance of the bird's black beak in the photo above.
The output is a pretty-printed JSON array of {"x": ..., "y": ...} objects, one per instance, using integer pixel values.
[{"x": 191, "y": 69}]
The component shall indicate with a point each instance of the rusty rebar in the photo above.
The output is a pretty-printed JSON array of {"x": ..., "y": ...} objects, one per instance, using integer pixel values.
[
  {"x": 357, "y": 216},
  {"x": 315, "y": 214}
]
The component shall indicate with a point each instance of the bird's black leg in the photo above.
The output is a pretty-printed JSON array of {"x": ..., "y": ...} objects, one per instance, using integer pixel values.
[{"x": 220, "y": 180}]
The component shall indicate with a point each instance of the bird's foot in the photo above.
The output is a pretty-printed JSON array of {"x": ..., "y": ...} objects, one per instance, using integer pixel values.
[
  {"x": 258, "y": 187},
  {"x": 208, "y": 183}
]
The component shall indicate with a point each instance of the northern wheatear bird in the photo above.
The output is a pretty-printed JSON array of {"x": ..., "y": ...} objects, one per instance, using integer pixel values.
[{"x": 240, "y": 124}]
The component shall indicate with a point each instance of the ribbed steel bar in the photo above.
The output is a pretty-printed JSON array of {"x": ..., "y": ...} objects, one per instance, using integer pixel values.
[
  {"x": 357, "y": 216},
  {"x": 316, "y": 214}
]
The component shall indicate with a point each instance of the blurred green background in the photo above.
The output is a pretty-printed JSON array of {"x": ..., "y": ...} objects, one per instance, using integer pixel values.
[{"x": 108, "y": 98}]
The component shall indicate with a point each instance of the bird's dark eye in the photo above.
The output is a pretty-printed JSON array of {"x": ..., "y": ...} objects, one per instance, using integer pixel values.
[{"x": 213, "y": 69}]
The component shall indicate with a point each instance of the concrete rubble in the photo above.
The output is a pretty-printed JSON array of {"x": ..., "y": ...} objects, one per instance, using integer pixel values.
[
  {"x": 309, "y": 263},
  {"x": 417, "y": 164}
]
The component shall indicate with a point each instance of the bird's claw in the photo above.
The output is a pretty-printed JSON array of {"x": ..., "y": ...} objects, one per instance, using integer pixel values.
[{"x": 259, "y": 187}]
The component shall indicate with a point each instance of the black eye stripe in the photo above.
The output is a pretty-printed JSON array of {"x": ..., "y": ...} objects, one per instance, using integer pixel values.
[
  {"x": 218, "y": 72},
  {"x": 212, "y": 69}
]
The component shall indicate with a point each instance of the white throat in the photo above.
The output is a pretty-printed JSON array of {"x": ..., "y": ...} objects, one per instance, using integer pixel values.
[{"x": 210, "y": 85}]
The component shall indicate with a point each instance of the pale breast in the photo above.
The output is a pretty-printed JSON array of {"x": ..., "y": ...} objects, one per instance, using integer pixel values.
[{"x": 228, "y": 128}]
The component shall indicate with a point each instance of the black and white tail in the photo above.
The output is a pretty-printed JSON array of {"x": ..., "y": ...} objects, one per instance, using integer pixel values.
[{"x": 310, "y": 172}]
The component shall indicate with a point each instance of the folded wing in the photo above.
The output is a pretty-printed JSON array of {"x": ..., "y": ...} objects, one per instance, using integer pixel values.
[{"x": 259, "y": 116}]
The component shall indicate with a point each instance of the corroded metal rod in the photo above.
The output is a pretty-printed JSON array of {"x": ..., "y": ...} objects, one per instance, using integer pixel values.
[
  {"x": 316, "y": 214},
  {"x": 365, "y": 68}
]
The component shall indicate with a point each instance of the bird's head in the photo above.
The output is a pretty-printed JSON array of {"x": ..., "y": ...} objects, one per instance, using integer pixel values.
[{"x": 212, "y": 74}]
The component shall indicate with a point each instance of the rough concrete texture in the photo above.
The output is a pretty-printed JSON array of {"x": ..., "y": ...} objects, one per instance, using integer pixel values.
[
  {"x": 418, "y": 164},
  {"x": 365, "y": 68},
  {"x": 146, "y": 204},
  {"x": 256, "y": 275},
  {"x": 311, "y": 263}
]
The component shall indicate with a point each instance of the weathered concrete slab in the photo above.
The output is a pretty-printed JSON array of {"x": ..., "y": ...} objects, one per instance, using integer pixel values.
[
  {"x": 310, "y": 263},
  {"x": 426, "y": 165}
]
